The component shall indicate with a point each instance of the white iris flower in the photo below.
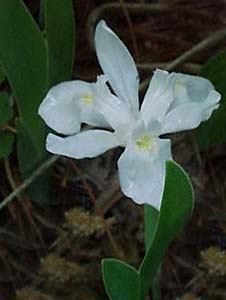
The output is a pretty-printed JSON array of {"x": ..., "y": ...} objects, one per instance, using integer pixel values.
[{"x": 173, "y": 102}]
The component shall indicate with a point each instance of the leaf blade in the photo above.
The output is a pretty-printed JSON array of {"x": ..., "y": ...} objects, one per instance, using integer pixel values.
[
  {"x": 23, "y": 58},
  {"x": 213, "y": 131},
  {"x": 6, "y": 143},
  {"x": 30, "y": 159},
  {"x": 172, "y": 218},
  {"x": 2, "y": 75},
  {"x": 60, "y": 32},
  {"x": 6, "y": 111},
  {"x": 121, "y": 280}
]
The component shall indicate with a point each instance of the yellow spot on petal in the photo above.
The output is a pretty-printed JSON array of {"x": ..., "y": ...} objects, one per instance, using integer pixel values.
[
  {"x": 178, "y": 86},
  {"x": 144, "y": 143},
  {"x": 88, "y": 98}
]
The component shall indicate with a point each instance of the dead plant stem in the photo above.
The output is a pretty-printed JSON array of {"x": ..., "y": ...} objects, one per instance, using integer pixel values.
[
  {"x": 130, "y": 25},
  {"x": 39, "y": 171},
  {"x": 209, "y": 42}
]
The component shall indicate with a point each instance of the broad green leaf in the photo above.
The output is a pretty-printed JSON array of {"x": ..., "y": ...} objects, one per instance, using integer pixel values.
[
  {"x": 213, "y": 131},
  {"x": 177, "y": 205},
  {"x": 2, "y": 75},
  {"x": 59, "y": 33},
  {"x": 30, "y": 159},
  {"x": 6, "y": 111},
  {"x": 150, "y": 222},
  {"x": 6, "y": 143},
  {"x": 121, "y": 280},
  {"x": 23, "y": 58}
]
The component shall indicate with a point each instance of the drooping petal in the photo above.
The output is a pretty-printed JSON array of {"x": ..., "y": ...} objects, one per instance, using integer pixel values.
[
  {"x": 118, "y": 64},
  {"x": 69, "y": 104},
  {"x": 86, "y": 144},
  {"x": 187, "y": 116},
  {"x": 158, "y": 97},
  {"x": 58, "y": 109},
  {"x": 142, "y": 174},
  {"x": 190, "y": 88},
  {"x": 195, "y": 100}
]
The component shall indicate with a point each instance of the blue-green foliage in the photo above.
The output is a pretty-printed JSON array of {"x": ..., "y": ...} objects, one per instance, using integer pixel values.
[
  {"x": 6, "y": 115},
  {"x": 32, "y": 65},
  {"x": 121, "y": 280},
  {"x": 213, "y": 131}
]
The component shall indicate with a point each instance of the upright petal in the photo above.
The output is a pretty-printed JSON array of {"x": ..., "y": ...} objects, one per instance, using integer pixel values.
[
  {"x": 142, "y": 174},
  {"x": 69, "y": 104},
  {"x": 158, "y": 97},
  {"x": 118, "y": 64},
  {"x": 194, "y": 101},
  {"x": 86, "y": 144},
  {"x": 115, "y": 111}
]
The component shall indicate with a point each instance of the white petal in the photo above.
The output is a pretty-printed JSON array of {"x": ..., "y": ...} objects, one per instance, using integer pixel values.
[
  {"x": 115, "y": 111},
  {"x": 118, "y": 64},
  {"x": 58, "y": 109},
  {"x": 189, "y": 88},
  {"x": 158, "y": 97},
  {"x": 142, "y": 176},
  {"x": 88, "y": 143},
  {"x": 187, "y": 116},
  {"x": 194, "y": 102},
  {"x": 65, "y": 107}
]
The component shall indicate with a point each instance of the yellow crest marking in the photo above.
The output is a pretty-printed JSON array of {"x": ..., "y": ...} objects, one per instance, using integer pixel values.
[{"x": 144, "y": 143}]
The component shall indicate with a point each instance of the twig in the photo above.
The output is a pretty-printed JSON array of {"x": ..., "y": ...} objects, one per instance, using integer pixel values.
[
  {"x": 39, "y": 171},
  {"x": 186, "y": 67},
  {"x": 9, "y": 127},
  {"x": 10, "y": 176},
  {"x": 130, "y": 24},
  {"x": 96, "y": 14},
  {"x": 23, "y": 203},
  {"x": 109, "y": 192},
  {"x": 209, "y": 42}
]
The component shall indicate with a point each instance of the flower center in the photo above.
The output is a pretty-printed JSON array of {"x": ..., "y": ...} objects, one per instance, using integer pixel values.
[
  {"x": 144, "y": 143},
  {"x": 88, "y": 98}
]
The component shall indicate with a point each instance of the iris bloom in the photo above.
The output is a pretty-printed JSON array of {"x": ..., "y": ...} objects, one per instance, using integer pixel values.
[{"x": 173, "y": 102}]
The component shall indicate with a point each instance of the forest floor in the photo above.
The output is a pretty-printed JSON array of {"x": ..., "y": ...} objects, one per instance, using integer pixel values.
[{"x": 54, "y": 252}]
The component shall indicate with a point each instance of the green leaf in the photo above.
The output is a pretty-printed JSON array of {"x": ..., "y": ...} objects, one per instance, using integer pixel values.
[
  {"x": 23, "y": 58},
  {"x": 59, "y": 32},
  {"x": 2, "y": 75},
  {"x": 177, "y": 205},
  {"x": 6, "y": 111},
  {"x": 121, "y": 280},
  {"x": 213, "y": 131},
  {"x": 30, "y": 159},
  {"x": 6, "y": 143},
  {"x": 150, "y": 222}
]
